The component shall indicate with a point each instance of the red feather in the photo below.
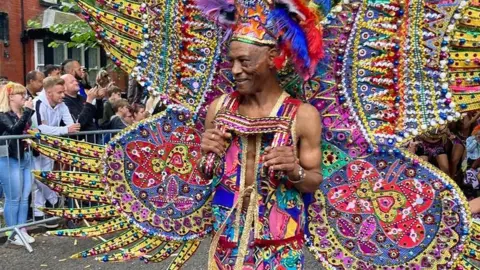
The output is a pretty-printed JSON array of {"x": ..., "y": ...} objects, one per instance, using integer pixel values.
[
  {"x": 315, "y": 44},
  {"x": 280, "y": 60},
  {"x": 312, "y": 29}
]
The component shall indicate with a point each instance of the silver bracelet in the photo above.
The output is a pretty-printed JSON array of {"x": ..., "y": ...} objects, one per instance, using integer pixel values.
[{"x": 301, "y": 175}]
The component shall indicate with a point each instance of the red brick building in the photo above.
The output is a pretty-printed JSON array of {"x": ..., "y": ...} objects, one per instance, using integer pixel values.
[{"x": 22, "y": 49}]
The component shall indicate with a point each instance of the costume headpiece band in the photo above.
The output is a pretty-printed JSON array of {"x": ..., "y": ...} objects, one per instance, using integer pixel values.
[{"x": 288, "y": 24}]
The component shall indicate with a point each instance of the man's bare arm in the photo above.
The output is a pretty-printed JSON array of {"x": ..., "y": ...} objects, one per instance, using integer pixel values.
[
  {"x": 211, "y": 114},
  {"x": 309, "y": 132},
  {"x": 213, "y": 140}
]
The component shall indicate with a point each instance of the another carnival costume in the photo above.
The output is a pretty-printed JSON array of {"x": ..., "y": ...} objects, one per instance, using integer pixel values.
[
  {"x": 434, "y": 142},
  {"x": 392, "y": 70},
  {"x": 270, "y": 233}
]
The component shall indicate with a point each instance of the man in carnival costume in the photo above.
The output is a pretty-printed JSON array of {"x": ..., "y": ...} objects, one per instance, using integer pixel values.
[{"x": 268, "y": 142}]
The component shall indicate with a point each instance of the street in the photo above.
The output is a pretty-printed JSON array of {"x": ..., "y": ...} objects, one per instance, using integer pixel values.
[{"x": 51, "y": 252}]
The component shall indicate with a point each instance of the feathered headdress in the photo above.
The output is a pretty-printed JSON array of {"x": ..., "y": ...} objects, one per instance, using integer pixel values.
[{"x": 288, "y": 24}]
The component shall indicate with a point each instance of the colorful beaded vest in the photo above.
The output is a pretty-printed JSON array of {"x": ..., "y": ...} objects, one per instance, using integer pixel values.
[{"x": 273, "y": 201}]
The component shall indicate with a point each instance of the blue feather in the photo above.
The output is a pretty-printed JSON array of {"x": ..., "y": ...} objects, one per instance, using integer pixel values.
[
  {"x": 325, "y": 5},
  {"x": 292, "y": 36}
]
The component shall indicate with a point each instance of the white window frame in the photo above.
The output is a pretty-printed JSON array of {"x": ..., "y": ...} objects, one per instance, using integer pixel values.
[
  {"x": 82, "y": 54},
  {"x": 35, "y": 53},
  {"x": 96, "y": 67}
]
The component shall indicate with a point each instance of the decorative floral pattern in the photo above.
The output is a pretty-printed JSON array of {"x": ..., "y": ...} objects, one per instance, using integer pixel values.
[{"x": 165, "y": 195}]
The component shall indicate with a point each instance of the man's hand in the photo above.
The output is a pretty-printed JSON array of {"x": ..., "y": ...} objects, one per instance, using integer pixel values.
[
  {"x": 92, "y": 94},
  {"x": 280, "y": 159},
  {"x": 74, "y": 128},
  {"x": 214, "y": 140}
]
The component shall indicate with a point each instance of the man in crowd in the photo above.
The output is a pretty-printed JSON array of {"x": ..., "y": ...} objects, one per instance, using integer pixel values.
[
  {"x": 74, "y": 68},
  {"x": 51, "y": 70},
  {"x": 83, "y": 111},
  {"x": 34, "y": 85},
  {"x": 114, "y": 93},
  {"x": 50, "y": 111}
]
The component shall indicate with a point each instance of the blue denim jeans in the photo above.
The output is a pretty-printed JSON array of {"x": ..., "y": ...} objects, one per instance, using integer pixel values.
[
  {"x": 1, "y": 190},
  {"x": 16, "y": 178}
]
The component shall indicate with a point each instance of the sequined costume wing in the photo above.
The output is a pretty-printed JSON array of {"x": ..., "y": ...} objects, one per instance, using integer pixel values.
[
  {"x": 144, "y": 185},
  {"x": 168, "y": 46},
  {"x": 462, "y": 67},
  {"x": 384, "y": 79}
]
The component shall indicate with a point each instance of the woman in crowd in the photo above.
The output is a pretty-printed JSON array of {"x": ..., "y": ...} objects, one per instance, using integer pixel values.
[
  {"x": 461, "y": 129},
  {"x": 434, "y": 144},
  {"x": 15, "y": 115},
  {"x": 139, "y": 112}
]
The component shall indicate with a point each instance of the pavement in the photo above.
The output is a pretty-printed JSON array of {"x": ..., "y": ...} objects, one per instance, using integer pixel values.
[{"x": 53, "y": 252}]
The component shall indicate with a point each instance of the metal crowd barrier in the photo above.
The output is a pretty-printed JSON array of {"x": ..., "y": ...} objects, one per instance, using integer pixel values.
[{"x": 97, "y": 137}]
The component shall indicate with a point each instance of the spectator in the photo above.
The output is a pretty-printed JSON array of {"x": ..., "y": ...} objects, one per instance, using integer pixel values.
[
  {"x": 83, "y": 111},
  {"x": 461, "y": 129},
  {"x": 139, "y": 113},
  {"x": 50, "y": 111},
  {"x": 103, "y": 79},
  {"x": 135, "y": 91},
  {"x": 473, "y": 159},
  {"x": 3, "y": 151},
  {"x": 434, "y": 143},
  {"x": 85, "y": 80},
  {"x": 114, "y": 93},
  {"x": 51, "y": 70},
  {"x": 123, "y": 116},
  {"x": 34, "y": 85},
  {"x": 473, "y": 146},
  {"x": 73, "y": 68},
  {"x": 15, "y": 119}
]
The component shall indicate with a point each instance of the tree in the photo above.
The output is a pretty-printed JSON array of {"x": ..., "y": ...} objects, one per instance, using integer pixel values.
[{"x": 80, "y": 32}]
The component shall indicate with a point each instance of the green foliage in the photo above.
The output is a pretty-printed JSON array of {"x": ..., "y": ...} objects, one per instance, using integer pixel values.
[
  {"x": 80, "y": 32},
  {"x": 34, "y": 23}
]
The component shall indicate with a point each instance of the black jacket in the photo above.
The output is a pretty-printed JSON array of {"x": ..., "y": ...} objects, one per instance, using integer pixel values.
[
  {"x": 84, "y": 113},
  {"x": 114, "y": 123},
  {"x": 10, "y": 124},
  {"x": 107, "y": 113}
]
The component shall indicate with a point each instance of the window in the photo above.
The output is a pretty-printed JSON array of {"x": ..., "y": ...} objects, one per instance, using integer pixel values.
[
  {"x": 4, "y": 35},
  {"x": 77, "y": 54},
  {"x": 89, "y": 58},
  {"x": 60, "y": 53},
  {"x": 93, "y": 64},
  {"x": 39, "y": 50}
]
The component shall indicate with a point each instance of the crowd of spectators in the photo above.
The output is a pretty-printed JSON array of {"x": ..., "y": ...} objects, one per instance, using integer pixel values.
[{"x": 57, "y": 101}]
